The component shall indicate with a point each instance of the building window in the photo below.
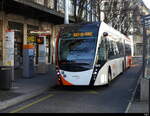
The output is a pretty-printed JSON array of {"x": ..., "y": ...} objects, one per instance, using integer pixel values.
[
  {"x": 41, "y": 2},
  {"x": 61, "y": 6},
  {"x": 50, "y": 4}
]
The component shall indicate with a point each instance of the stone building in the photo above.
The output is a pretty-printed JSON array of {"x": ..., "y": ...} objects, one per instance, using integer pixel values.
[{"x": 24, "y": 16}]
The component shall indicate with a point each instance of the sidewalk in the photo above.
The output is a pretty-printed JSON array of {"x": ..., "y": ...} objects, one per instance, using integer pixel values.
[
  {"x": 136, "y": 105},
  {"x": 25, "y": 89}
]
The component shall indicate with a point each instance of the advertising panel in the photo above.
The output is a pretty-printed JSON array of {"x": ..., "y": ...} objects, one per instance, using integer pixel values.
[{"x": 9, "y": 49}]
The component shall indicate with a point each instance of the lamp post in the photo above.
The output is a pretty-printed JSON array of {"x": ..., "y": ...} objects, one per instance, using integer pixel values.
[{"x": 66, "y": 20}]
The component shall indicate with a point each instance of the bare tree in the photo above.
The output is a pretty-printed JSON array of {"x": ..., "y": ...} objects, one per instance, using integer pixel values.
[
  {"x": 79, "y": 7},
  {"x": 118, "y": 13}
]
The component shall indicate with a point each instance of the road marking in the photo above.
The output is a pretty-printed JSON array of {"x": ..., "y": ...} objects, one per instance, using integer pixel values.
[
  {"x": 93, "y": 92},
  {"x": 31, "y": 104}
]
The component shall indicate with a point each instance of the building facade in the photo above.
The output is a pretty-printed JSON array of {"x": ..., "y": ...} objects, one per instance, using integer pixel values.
[{"x": 24, "y": 16}]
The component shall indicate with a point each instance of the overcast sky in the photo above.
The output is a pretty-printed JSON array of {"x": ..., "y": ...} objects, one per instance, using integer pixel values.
[{"x": 147, "y": 3}]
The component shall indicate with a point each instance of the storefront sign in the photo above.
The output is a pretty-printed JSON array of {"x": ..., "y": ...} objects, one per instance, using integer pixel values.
[
  {"x": 31, "y": 39},
  {"x": 40, "y": 40},
  {"x": 9, "y": 49}
]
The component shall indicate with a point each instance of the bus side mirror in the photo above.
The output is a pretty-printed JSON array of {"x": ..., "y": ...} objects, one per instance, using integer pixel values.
[{"x": 105, "y": 34}]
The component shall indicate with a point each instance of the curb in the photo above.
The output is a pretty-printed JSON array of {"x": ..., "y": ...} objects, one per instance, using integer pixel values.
[
  {"x": 9, "y": 103},
  {"x": 133, "y": 94}
]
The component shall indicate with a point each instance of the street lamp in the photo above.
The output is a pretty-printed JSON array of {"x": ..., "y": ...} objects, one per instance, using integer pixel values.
[{"x": 66, "y": 20}]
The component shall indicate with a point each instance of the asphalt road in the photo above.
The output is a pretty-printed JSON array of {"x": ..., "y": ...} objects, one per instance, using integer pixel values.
[{"x": 105, "y": 99}]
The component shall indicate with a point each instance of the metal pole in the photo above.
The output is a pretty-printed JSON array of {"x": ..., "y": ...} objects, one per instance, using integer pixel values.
[
  {"x": 66, "y": 20},
  {"x": 144, "y": 49},
  {"x": 91, "y": 9}
]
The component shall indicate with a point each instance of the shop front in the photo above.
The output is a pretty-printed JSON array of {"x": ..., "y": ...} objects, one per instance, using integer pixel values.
[{"x": 42, "y": 42}]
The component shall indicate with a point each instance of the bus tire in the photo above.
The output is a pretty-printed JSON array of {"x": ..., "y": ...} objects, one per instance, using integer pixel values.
[
  {"x": 123, "y": 68},
  {"x": 109, "y": 76}
]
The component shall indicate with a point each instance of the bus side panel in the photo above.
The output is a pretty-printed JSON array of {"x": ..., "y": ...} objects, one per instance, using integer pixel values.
[
  {"x": 102, "y": 76},
  {"x": 116, "y": 69}
]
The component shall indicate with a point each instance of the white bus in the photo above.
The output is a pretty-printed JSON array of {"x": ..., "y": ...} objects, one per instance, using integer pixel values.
[{"x": 91, "y": 54}]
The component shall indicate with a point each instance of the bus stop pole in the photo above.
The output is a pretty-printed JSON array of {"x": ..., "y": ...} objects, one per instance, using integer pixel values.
[
  {"x": 144, "y": 50},
  {"x": 144, "y": 84}
]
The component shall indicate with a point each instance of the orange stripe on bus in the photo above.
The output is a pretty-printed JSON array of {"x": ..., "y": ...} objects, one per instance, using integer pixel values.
[{"x": 65, "y": 82}]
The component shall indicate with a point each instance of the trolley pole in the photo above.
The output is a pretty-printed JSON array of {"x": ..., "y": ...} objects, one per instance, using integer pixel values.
[{"x": 144, "y": 48}]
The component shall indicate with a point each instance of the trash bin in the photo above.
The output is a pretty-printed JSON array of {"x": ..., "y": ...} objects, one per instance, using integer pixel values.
[{"x": 6, "y": 75}]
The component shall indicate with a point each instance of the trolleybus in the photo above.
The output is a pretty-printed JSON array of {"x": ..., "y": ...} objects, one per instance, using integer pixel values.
[{"x": 91, "y": 54}]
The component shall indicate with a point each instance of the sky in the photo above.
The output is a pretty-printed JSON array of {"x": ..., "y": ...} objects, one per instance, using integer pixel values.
[{"x": 147, "y": 3}]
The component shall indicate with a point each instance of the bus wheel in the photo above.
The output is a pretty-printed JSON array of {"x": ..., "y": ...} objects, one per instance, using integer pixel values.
[
  {"x": 109, "y": 78},
  {"x": 123, "y": 68}
]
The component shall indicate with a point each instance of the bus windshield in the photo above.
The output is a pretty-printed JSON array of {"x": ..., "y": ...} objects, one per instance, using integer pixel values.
[{"x": 77, "y": 53}]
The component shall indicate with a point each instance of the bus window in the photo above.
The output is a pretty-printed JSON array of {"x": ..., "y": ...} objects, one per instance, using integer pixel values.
[
  {"x": 110, "y": 49},
  {"x": 120, "y": 47},
  {"x": 128, "y": 50},
  {"x": 116, "y": 50},
  {"x": 102, "y": 52}
]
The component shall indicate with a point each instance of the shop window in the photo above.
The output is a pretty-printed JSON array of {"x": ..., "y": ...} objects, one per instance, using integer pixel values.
[{"x": 29, "y": 29}]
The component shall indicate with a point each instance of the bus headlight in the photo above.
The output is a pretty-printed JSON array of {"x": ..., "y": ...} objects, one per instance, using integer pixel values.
[
  {"x": 58, "y": 73},
  {"x": 95, "y": 73}
]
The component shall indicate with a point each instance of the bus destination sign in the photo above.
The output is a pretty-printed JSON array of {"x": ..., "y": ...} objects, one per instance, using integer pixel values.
[{"x": 83, "y": 34}]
